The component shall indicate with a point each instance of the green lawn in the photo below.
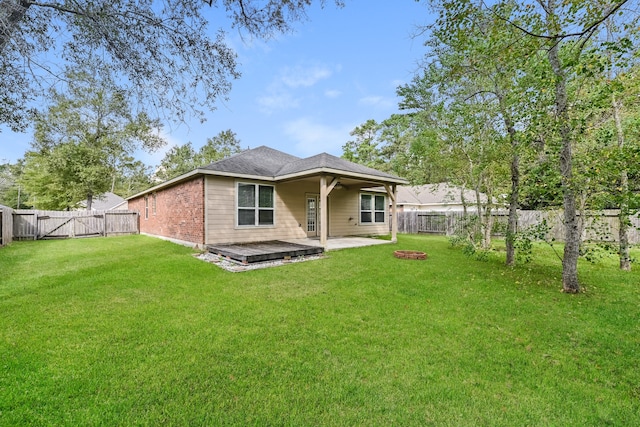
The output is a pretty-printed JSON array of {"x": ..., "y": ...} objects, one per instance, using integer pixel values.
[{"x": 136, "y": 331}]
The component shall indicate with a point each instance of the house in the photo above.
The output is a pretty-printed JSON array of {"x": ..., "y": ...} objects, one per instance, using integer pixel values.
[
  {"x": 437, "y": 197},
  {"x": 106, "y": 202},
  {"x": 264, "y": 194}
]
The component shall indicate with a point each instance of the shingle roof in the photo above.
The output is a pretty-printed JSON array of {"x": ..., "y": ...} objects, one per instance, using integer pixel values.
[
  {"x": 261, "y": 161},
  {"x": 265, "y": 161},
  {"x": 328, "y": 161},
  {"x": 441, "y": 193},
  {"x": 104, "y": 202}
]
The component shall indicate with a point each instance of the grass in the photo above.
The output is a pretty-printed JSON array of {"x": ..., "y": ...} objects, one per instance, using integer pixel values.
[{"x": 135, "y": 331}]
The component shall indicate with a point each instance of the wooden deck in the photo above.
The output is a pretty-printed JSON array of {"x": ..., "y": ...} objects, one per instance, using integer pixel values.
[{"x": 247, "y": 253}]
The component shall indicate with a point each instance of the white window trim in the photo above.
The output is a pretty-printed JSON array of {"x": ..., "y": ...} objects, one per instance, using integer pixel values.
[
  {"x": 373, "y": 209},
  {"x": 256, "y": 208}
]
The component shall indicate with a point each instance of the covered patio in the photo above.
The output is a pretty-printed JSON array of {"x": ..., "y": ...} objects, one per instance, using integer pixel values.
[{"x": 336, "y": 243}]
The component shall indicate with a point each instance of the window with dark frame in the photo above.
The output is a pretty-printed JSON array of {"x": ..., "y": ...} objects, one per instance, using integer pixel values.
[
  {"x": 372, "y": 209},
  {"x": 146, "y": 206},
  {"x": 255, "y": 204}
]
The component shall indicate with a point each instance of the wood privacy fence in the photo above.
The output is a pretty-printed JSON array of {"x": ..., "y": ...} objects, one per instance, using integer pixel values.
[
  {"x": 36, "y": 224},
  {"x": 446, "y": 222},
  {"x": 6, "y": 225},
  {"x": 598, "y": 226}
]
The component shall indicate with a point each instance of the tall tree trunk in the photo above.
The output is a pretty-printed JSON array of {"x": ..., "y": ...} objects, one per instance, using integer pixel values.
[
  {"x": 623, "y": 217},
  {"x": 89, "y": 201},
  {"x": 479, "y": 212},
  {"x": 488, "y": 222},
  {"x": 11, "y": 13},
  {"x": 514, "y": 198},
  {"x": 570, "y": 283},
  {"x": 464, "y": 203},
  {"x": 514, "y": 204},
  {"x": 484, "y": 219}
]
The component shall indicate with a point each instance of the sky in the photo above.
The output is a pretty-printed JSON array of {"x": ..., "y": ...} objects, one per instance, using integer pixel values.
[{"x": 305, "y": 91}]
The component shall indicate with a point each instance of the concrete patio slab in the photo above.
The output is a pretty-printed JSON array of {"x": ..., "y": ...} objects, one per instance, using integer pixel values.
[{"x": 335, "y": 243}]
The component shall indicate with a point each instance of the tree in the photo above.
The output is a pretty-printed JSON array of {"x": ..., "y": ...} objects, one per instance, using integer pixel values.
[
  {"x": 610, "y": 116},
  {"x": 162, "y": 51},
  {"x": 80, "y": 139},
  {"x": 65, "y": 174},
  {"x": 475, "y": 57},
  {"x": 364, "y": 149},
  {"x": 132, "y": 176},
  {"x": 6, "y": 180},
  {"x": 11, "y": 193},
  {"x": 473, "y": 152},
  {"x": 400, "y": 145},
  {"x": 406, "y": 146},
  {"x": 223, "y": 145},
  {"x": 462, "y": 63},
  {"x": 617, "y": 83},
  {"x": 178, "y": 160},
  {"x": 564, "y": 30},
  {"x": 183, "y": 158}
]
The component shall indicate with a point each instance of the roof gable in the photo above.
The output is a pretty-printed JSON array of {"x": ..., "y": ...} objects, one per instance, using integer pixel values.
[
  {"x": 260, "y": 161},
  {"x": 327, "y": 161}
]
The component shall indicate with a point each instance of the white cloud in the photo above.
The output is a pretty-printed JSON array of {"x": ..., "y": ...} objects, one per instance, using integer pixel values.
[
  {"x": 301, "y": 76},
  {"x": 332, "y": 93},
  {"x": 281, "y": 94},
  {"x": 377, "y": 102},
  {"x": 277, "y": 101},
  {"x": 312, "y": 138}
]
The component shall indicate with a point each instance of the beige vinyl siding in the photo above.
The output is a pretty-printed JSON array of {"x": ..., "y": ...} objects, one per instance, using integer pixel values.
[
  {"x": 344, "y": 207},
  {"x": 290, "y": 213},
  {"x": 343, "y": 213},
  {"x": 221, "y": 212},
  {"x": 220, "y": 209}
]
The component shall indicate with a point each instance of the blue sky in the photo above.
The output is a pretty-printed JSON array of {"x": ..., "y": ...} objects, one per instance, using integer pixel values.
[{"x": 303, "y": 92}]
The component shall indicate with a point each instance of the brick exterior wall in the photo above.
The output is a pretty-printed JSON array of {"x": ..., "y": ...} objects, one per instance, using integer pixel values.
[{"x": 179, "y": 211}]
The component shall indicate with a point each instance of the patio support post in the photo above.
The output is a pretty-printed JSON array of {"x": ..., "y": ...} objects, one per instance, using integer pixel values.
[
  {"x": 323, "y": 212},
  {"x": 392, "y": 192}
]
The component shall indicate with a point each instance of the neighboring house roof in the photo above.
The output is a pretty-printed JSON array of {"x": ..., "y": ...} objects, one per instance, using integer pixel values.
[
  {"x": 105, "y": 202},
  {"x": 264, "y": 163},
  {"x": 436, "y": 194}
]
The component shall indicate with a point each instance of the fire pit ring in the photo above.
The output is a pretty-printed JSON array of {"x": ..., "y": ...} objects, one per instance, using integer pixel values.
[{"x": 410, "y": 255}]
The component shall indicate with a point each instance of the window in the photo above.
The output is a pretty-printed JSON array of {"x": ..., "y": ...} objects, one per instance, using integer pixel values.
[
  {"x": 146, "y": 207},
  {"x": 373, "y": 208},
  {"x": 153, "y": 203},
  {"x": 255, "y": 204}
]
